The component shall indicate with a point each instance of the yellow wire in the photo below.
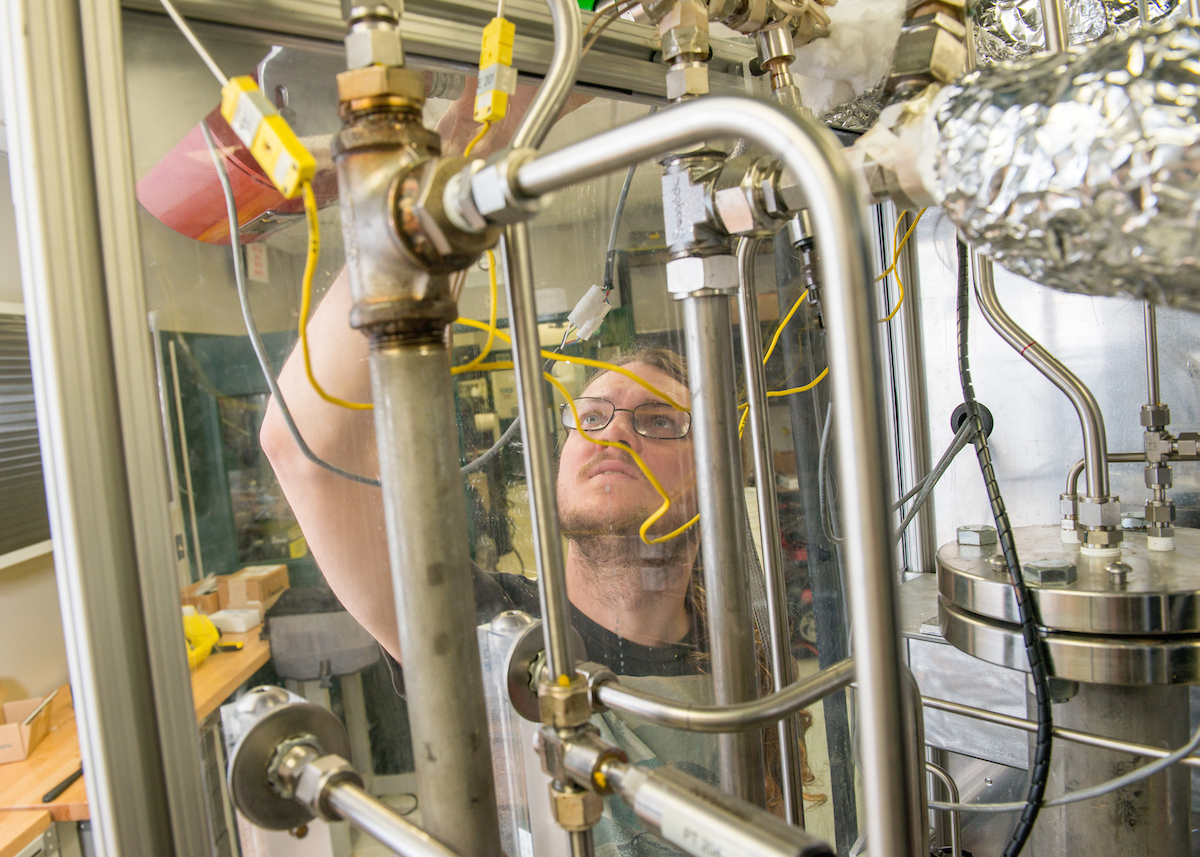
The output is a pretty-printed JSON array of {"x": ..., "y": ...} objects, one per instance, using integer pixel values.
[
  {"x": 483, "y": 129},
  {"x": 474, "y": 364},
  {"x": 782, "y": 325},
  {"x": 582, "y": 361},
  {"x": 310, "y": 269},
  {"x": 895, "y": 259},
  {"x": 775, "y": 394}
]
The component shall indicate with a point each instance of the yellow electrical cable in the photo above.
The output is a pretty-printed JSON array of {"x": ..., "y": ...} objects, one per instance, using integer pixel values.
[
  {"x": 483, "y": 129},
  {"x": 895, "y": 259},
  {"x": 782, "y": 325},
  {"x": 775, "y": 394},
  {"x": 310, "y": 269},
  {"x": 474, "y": 364}
]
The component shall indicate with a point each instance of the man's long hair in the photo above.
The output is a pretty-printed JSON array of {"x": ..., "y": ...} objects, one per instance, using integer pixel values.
[{"x": 672, "y": 364}]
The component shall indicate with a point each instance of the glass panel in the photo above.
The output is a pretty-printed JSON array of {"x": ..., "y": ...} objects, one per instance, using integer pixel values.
[{"x": 248, "y": 499}]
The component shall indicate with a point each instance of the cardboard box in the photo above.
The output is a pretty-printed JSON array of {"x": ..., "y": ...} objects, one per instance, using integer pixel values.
[
  {"x": 17, "y": 741},
  {"x": 203, "y": 596},
  {"x": 256, "y": 587},
  {"x": 235, "y": 621}
]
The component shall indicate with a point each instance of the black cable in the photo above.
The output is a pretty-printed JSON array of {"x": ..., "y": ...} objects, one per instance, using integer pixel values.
[
  {"x": 1039, "y": 771},
  {"x": 260, "y": 352},
  {"x": 610, "y": 257}
]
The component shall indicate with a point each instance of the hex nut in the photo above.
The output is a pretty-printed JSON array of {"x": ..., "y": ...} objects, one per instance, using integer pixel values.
[
  {"x": 788, "y": 192},
  {"x": 317, "y": 776},
  {"x": 977, "y": 535},
  {"x": 930, "y": 48},
  {"x": 1159, "y": 513},
  {"x": 1155, "y": 415},
  {"x": 564, "y": 707},
  {"x": 1050, "y": 572},
  {"x": 1158, "y": 475},
  {"x": 1100, "y": 513},
  {"x": 576, "y": 809},
  {"x": 735, "y": 211},
  {"x": 695, "y": 274},
  {"x": 377, "y": 80},
  {"x": 1066, "y": 505},
  {"x": 680, "y": 41},
  {"x": 1187, "y": 445},
  {"x": 594, "y": 675},
  {"x": 1134, "y": 520},
  {"x": 1102, "y": 537},
  {"x": 687, "y": 79},
  {"x": 684, "y": 13},
  {"x": 373, "y": 43}
]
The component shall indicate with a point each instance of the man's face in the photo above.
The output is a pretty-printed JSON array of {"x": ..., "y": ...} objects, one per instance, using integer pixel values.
[{"x": 601, "y": 491}]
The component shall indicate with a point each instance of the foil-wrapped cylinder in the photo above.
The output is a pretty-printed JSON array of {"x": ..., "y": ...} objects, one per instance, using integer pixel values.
[
  {"x": 1080, "y": 171},
  {"x": 1012, "y": 29}
]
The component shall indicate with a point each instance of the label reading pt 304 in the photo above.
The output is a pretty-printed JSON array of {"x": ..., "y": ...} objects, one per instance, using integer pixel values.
[{"x": 696, "y": 837}]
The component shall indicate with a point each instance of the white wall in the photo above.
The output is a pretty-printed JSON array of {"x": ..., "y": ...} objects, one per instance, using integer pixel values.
[{"x": 33, "y": 656}]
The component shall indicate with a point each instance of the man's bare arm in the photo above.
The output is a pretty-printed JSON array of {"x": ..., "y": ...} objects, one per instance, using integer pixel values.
[{"x": 342, "y": 520}]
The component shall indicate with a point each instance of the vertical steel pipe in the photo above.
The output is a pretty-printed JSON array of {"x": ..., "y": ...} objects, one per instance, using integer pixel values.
[
  {"x": 1153, "y": 393},
  {"x": 768, "y": 521},
  {"x": 1194, "y": 8},
  {"x": 813, "y": 156},
  {"x": 709, "y": 338},
  {"x": 1054, "y": 22},
  {"x": 426, "y": 517},
  {"x": 952, "y": 796},
  {"x": 539, "y": 463},
  {"x": 1095, "y": 445}
]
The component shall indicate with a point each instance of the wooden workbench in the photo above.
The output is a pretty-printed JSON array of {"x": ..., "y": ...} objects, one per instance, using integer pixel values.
[
  {"x": 19, "y": 829},
  {"x": 22, "y": 784}
]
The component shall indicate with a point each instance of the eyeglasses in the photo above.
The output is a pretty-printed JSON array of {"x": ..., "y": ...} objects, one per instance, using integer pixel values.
[{"x": 654, "y": 419}]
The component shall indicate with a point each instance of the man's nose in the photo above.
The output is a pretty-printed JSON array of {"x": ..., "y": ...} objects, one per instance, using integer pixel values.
[{"x": 620, "y": 428}]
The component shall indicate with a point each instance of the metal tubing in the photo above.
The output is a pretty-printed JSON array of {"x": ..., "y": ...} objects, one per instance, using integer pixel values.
[
  {"x": 728, "y": 718},
  {"x": 539, "y": 465},
  {"x": 1152, "y": 388},
  {"x": 384, "y": 823},
  {"x": 1095, "y": 449},
  {"x": 426, "y": 519},
  {"x": 783, "y": 667},
  {"x": 1054, "y": 23},
  {"x": 1072, "y": 735},
  {"x": 952, "y": 794},
  {"x": 1113, "y": 458},
  {"x": 1194, "y": 8},
  {"x": 810, "y": 152},
  {"x": 723, "y": 539},
  {"x": 914, "y": 722},
  {"x": 583, "y": 843},
  {"x": 552, "y": 95}
]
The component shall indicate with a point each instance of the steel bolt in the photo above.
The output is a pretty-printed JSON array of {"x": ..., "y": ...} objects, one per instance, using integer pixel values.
[
  {"x": 1050, "y": 572},
  {"x": 977, "y": 535}
]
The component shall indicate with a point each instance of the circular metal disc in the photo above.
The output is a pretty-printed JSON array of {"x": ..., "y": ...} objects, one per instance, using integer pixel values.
[
  {"x": 248, "y": 784},
  {"x": 529, "y": 644},
  {"x": 1128, "y": 660},
  {"x": 1160, "y": 595}
]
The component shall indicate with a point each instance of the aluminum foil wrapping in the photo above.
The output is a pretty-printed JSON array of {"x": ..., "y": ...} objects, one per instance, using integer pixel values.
[
  {"x": 1012, "y": 29},
  {"x": 1082, "y": 171}
]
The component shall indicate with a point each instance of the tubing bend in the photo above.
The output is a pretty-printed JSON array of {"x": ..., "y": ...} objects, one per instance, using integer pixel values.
[
  {"x": 552, "y": 95},
  {"x": 768, "y": 522},
  {"x": 539, "y": 466},
  {"x": 709, "y": 336},
  {"x": 813, "y": 156},
  {"x": 1095, "y": 448},
  {"x": 426, "y": 520}
]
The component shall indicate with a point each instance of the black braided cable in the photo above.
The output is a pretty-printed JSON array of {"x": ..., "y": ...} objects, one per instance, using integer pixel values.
[{"x": 1035, "y": 651}]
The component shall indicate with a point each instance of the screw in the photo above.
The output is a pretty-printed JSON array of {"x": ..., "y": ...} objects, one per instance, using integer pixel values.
[
  {"x": 976, "y": 535},
  {"x": 1119, "y": 570},
  {"x": 1050, "y": 572}
]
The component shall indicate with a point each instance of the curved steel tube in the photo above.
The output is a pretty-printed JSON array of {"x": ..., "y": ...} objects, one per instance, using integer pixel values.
[
  {"x": 1079, "y": 466},
  {"x": 552, "y": 95},
  {"x": 811, "y": 153},
  {"x": 952, "y": 793},
  {"x": 783, "y": 668},
  {"x": 742, "y": 717},
  {"x": 1095, "y": 449}
]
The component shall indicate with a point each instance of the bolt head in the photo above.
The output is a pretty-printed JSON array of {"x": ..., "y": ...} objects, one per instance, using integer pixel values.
[
  {"x": 977, "y": 535},
  {"x": 1104, "y": 512},
  {"x": 687, "y": 79},
  {"x": 376, "y": 80},
  {"x": 577, "y": 809},
  {"x": 1050, "y": 572},
  {"x": 694, "y": 274}
]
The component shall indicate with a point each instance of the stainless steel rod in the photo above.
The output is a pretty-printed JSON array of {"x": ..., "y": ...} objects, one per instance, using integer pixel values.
[
  {"x": 1054, "y": 23},
  {"x": 1113, "y": 457},
  {"x": 708, "y": 333},
  {"x": 1152, "y": 389},
  {"x": 583, "y": 843},
  {"x": 384, "y": 823},
  {"x": 813, "y": 156},
  {"x": 1194, "y": 8},
  {"x": 426, "y": 517},
  {"x": 1095, "y": 449},
  {"x": 715, "y": 718},
  {"x": 783, "y": 667},
  {"x": 952, "y": 794},
  {"x": 552, "y": 95},
  {"x": 918, "y": 782},
  {"x": 539, "y": 464},
  {"x": 1086, "y": 738}
]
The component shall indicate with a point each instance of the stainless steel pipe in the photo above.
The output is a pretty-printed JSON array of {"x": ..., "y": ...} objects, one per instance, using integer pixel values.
[
  {"x": 1153, "y": 393},
  {"x": 708, "y": 333},
  {"x": 728, "y": 718},
  {"x": 953, "y": 797},
  {"x": 813, "y": 156},
  {"x": 384, "y": 823},
  {"x": 1054, "y": 24},
  {"x": 783, "y": 666},
  {"x": 1072, "y": 735},
  {"x": 1095, "y": 449},
  {"x": 552, "y": 94},
  {"x": 426, "y": 519},
  {"x": 1113, "y": 457},
  {"x": 539, "y": 443}
]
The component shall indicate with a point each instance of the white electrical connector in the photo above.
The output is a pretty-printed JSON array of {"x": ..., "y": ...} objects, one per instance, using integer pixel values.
[{"x": 589, "y": 313}]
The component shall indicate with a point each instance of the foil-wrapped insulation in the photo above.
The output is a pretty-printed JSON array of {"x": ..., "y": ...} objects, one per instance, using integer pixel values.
[
  {"x": 1012, "y": 29},
  {"x": 1080, "y": 171}
]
